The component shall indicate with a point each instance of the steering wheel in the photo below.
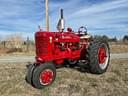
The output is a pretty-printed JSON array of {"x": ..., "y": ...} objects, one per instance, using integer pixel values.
[{"x": 82, "y": 30}]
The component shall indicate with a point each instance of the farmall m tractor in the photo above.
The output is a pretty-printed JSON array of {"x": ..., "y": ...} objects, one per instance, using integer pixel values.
[{"x": 72, "y": 48}]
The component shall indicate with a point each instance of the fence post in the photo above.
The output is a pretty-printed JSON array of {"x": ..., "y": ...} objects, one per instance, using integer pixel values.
[
  {"x": 28, "y": 44},
  {"x": 4, "y": 44}
]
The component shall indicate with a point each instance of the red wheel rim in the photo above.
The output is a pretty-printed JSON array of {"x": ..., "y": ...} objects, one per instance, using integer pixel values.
[
  {"x": 102, "y": 55},
  {"x": 46, "y": 77}
]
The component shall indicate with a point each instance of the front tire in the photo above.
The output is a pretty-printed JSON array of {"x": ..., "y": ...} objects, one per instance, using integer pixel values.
[
  {"x": 44, "y": 75},
  {"x": 29, "y": 74},
  {"x": 98, "y": 56}
]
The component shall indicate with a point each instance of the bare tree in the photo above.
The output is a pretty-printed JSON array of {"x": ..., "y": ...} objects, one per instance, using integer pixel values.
[{"x": 15, "y": 41}]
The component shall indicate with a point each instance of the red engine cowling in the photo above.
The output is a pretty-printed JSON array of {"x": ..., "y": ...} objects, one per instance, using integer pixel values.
[
  {"x": 43, "y": 45},
  {"x": 57, "y": 46}
]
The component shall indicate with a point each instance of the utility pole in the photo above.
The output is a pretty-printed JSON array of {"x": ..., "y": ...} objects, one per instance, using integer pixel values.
[{"x": 47, "y": 16}]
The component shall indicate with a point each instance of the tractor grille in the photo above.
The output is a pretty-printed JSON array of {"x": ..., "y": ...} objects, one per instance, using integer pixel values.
[{"x": 41, "y": 45}]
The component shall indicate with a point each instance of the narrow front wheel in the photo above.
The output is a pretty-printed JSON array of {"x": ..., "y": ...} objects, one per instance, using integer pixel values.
[{"x": 44, "y": 75}]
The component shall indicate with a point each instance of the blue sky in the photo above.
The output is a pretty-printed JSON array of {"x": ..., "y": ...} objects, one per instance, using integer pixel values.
[{"x": 109, "y": 17}]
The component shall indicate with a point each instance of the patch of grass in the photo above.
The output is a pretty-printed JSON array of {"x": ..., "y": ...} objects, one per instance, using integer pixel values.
[
  {"x": 92, "y": 81},
  {"x": 118, "y": 48},
  {"x": 69, "y": 82}
]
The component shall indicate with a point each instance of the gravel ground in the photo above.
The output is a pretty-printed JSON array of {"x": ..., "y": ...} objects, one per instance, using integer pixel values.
[
  {"x": 119, "y": 56},
  {"x": 32, "y": 58},
  {"x": 17, "y": 58}
]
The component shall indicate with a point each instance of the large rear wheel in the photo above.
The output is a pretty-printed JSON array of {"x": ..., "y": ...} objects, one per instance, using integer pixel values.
[{"x": 98, "y": 56}]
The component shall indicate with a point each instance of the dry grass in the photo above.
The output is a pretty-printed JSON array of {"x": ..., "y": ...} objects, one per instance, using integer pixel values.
[
  {"x": 119, "y": 48},
  {"x": 3, "y": 51},
  {"x": 69, "y": 82},
  {"x": 6, "y": 52}
]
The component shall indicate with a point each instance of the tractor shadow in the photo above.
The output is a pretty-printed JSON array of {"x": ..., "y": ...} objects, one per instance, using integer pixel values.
[{"x": 83, "y": 69}]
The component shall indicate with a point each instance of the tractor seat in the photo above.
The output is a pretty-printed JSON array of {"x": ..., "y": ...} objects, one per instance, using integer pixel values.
[{"x": 85, "y": 36}]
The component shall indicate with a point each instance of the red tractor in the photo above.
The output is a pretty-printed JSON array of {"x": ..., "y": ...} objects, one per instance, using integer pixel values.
[{"x": 72, "y": 48}]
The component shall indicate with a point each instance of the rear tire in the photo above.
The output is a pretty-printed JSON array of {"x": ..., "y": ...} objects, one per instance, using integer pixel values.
[
  {"x": 98, "y": 56},
  {"x": 44, "y": 75}
]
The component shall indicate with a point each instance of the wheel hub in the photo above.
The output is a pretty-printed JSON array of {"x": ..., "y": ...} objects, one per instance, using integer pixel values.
[
  {"x": 102, "y": 55},
  {"x": 46, "y": 77}
]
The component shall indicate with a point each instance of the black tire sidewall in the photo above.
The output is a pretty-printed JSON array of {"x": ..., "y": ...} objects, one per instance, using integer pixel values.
[
  {"x": 29, "y": 74},
  {"x": 94, "y": 57}
]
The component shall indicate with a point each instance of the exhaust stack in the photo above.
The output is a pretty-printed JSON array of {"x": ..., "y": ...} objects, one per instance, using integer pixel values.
[{"x": 61, "y": 23}]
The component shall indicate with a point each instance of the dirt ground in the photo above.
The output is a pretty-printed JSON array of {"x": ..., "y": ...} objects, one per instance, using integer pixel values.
[{"x": 69, "y": 82}]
